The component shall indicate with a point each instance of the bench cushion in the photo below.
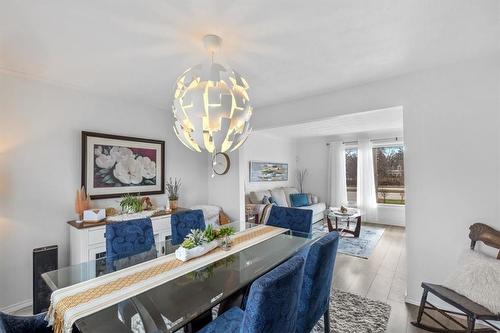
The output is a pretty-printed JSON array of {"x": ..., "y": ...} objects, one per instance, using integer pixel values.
[{"x": 477, "y": 277}]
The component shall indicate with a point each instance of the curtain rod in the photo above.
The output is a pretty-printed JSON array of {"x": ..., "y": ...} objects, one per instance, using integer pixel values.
[{"x": 372, "y": 140}]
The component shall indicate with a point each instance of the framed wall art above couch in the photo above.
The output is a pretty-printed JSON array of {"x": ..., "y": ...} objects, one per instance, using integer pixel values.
[
  {"x": 114, "y": 165},
  {"x": 268, "y": 171}
]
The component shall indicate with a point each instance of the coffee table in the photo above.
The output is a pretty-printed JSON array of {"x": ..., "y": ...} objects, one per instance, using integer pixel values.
[{"x": 353, "y": 215}]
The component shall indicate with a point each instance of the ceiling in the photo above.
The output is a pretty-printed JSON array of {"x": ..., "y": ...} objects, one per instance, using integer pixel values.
[
  {"x": 357, "y": 124},
  {"x": 286, "y": 49}
]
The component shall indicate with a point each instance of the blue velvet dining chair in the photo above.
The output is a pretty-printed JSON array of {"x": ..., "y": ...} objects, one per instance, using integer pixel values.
[
  {"x": 318, "y": 274},
  {"x": 128, "y": 238},
  {"x": 183, "y": 222},
  {"x": 272, "y": 303},
  {"x": 24, "y": 324},
  {"x": 291, "y": 218}
]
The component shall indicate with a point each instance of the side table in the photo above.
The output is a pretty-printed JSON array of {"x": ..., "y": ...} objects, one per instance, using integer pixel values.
[{"x": 352, "y": 215}]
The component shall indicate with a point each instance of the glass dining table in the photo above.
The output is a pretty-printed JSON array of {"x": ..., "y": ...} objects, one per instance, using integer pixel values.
[{"x": 175, "y": 303}]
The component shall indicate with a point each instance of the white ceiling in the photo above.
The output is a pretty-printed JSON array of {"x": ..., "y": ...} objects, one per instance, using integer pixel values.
[
  {"x": 371, "y": 122},
  {"x": 286, "y": 49}
]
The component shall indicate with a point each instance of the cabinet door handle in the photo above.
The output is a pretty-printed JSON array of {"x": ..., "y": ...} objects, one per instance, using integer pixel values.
[{"x": 163, "y": 250}]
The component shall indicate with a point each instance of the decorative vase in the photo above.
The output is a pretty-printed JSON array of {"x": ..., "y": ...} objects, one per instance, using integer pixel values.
[
  {"x": 226, "y": 243},
  {"x": 129, "y": 210},
  {"x": 173, "y": 204}
]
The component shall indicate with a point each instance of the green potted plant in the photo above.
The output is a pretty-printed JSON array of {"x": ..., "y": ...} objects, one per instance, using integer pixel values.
[
  {"x": 173, "y": 187},
  {"x": 198, "y": 242},
  {"x": 131, "y": 204}
]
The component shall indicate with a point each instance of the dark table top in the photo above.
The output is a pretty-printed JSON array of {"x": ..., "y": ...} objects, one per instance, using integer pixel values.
[{"x": 175, "y": 303}]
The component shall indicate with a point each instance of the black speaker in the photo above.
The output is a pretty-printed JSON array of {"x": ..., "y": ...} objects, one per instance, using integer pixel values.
[{"x": 44, "y": 260}]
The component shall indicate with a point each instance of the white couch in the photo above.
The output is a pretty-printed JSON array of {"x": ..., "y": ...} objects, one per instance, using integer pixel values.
[
  {"x": 210, "y": 213},
  {"x": 281, "y": 196}
]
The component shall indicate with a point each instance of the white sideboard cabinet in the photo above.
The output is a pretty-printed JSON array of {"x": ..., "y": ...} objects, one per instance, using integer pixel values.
[{"x": 88, "y": 242}]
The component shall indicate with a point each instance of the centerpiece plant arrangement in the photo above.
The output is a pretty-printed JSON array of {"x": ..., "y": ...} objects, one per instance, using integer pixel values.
[
  {"x": 198, "y": 242},
  {"x": 173, "y": 187}
]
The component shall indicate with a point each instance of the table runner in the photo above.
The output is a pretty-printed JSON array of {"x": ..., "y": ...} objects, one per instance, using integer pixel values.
[{"x": 69, "y": 304}]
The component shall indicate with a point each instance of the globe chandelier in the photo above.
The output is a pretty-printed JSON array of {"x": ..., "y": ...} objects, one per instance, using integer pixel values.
[{"x": 211, "y": 106}]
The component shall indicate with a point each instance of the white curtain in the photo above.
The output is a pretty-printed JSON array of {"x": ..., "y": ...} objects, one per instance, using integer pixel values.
[
  {"x": 337, "y": 189},
  {"x": 366, "y": 196}
]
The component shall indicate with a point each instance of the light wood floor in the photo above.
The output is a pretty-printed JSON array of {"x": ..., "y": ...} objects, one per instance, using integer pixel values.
[{"x": 381, "y": 277}]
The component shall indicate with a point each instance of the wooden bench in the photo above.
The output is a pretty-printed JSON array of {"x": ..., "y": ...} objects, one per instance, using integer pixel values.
[{"x": 471, "y": 310}]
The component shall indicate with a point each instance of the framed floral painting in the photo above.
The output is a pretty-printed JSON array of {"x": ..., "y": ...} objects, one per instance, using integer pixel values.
[{"x": 115, "y": 165}]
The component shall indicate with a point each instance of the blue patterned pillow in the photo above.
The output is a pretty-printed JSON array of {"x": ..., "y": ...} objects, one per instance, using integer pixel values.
[{"x": 299, "y": 199}]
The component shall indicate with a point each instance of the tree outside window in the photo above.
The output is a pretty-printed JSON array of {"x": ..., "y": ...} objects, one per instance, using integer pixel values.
[
  {"x": 388, "y": 162},
  {"x": 389, "y": 174}
]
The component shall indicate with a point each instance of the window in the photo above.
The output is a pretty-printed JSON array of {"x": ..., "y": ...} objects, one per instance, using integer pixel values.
[
  {"x": 351, "y": 169},
  {"x": 389, "y": 174}
]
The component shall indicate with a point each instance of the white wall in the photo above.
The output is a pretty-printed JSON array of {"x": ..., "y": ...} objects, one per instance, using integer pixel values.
[
  {"x": 452, "y": 156},
  {"x": 391, "y": 215},
  {"x": 40, "y": 129},
  {"x": 226, "y": 191},
  {"x": 267, "y": 148},
  {"x": 313, "y": 155}
]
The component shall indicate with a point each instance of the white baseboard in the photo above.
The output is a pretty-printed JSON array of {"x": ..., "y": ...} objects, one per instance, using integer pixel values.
[
  {"x": 388, "y": 224},
  {"x": 413, "y": 301},
  {"x": 17, "y": 306}
]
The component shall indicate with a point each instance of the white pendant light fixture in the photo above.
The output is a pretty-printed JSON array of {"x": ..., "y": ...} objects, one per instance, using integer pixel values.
[{"x": 211, "y": 106}]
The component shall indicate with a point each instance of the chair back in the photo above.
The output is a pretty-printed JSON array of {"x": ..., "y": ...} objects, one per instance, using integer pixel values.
[
  {"x": 24, "y": 324},
  {"x": 273, "y": 299},
  {"x": 318, "y": 275},
  {"x": 486, "y": 234},
  {"x": 291, "y": 218},
  {"x": 183, "y": 222},
  {"x": 128, "y": 238}
]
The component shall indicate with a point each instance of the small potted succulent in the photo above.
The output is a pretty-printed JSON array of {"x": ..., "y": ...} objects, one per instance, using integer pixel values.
[
  {"x": 173, "y": 186},
  {"x": 131, "y": 204},
  {"x": 199, "y": 242}
]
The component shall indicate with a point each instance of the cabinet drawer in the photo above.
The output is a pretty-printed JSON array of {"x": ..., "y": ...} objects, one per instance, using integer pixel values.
[{"x": 96, "y": 236}]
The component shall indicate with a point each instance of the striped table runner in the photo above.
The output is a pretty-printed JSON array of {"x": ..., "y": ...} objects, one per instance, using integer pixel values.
[{"x": 69, "y": 304}]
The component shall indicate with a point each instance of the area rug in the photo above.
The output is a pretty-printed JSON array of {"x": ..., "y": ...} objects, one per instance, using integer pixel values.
[
  {"x": 353, "y": 313},
  {"x": 362, "y": 246}
]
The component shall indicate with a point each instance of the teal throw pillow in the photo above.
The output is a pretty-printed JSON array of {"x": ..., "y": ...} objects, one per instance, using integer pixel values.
[{"x": 299, "y": 199}]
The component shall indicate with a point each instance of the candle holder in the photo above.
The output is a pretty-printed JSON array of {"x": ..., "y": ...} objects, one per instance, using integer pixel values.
[{"x": 226, "y": 243}]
